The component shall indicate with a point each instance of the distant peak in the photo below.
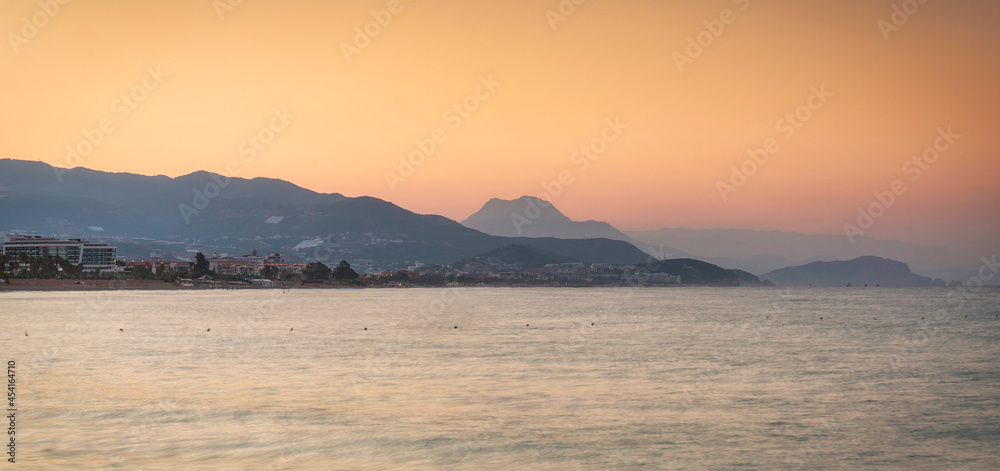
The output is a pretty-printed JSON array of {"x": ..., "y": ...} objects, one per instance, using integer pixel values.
[
  {"x": 526, "y": 199},
  {"x": 523, "y": 199},
  {"x": 497, "y": 207}
]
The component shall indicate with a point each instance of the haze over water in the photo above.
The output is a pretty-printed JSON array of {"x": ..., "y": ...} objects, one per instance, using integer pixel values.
[{"x": 685, "y": 378}]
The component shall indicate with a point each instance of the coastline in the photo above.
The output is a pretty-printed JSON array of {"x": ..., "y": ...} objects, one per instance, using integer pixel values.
[
  {"x": 17, "y": 285},
  {"x": 136, "y": 285},
  {"x": 20, "y": 285},
  {"x": 89, "y": 285}
]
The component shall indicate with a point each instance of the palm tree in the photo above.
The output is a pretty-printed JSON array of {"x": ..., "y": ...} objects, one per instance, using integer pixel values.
[{"x": 25, "y": 261}]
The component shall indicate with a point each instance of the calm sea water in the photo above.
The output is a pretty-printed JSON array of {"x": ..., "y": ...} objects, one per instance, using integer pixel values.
[{"x": 685, "y": 378}]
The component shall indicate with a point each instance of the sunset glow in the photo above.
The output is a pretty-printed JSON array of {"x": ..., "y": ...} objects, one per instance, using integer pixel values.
[{"x": 495, "y": 99}]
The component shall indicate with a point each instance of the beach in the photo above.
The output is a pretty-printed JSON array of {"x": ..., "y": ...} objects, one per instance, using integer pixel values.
[{"x": 88, "y": 285}]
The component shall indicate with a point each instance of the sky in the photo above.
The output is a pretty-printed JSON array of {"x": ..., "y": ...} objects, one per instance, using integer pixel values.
[{"x": 874, "y": 117}]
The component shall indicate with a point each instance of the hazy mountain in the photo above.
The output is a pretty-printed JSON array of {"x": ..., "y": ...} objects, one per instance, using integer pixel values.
[
  {"x": 858, "y": 272},
  {"x": 160, "y": 195},
  {"x": 764, "y": 251},
  {"x": 696, "y": 272},
  {"x": 533, "y": 217},
  {"x": 528, "y": 216},
  {"x": 208, "y": 212},
  {"x": 524, "y": 255},
  {"x": 748, "y": 279},
  {"x": 67, "y": 215}
]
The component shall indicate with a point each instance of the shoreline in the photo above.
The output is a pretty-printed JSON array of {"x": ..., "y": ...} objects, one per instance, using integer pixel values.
[
  {"x": 89, "y": 285},
  {"x": 22, "y": 285}
]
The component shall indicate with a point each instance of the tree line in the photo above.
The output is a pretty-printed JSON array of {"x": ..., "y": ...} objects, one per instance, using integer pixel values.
[
  {"x": 54, "y": 267},
  {"x": 26, "y": 266}
]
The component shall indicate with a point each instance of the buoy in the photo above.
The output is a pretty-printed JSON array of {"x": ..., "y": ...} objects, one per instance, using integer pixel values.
[
  {"x": 121, "y": 330},
  {"x": 209, "y": 329}
]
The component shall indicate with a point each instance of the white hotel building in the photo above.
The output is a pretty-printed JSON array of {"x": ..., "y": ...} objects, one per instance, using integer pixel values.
[{"x": 93, "y": 256}]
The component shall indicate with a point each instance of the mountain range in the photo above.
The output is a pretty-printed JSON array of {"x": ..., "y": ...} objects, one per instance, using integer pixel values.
[
  {"x": 862, "y": 271},
  {"x": 209, "y": 212},
  {"x": 750, "y": 250},
  {"x": 203, "y": 211},
  {"x": 764, "y": 251}
]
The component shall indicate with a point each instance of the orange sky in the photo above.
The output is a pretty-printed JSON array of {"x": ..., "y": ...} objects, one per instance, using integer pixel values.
[{"x": 558, "y": 85}]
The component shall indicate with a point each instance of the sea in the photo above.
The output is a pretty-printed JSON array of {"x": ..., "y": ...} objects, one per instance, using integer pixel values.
[{"x": 505, "y": 378}]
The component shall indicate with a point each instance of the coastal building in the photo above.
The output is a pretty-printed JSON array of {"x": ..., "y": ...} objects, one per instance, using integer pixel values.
[
  {"x": 160, "y": 264},
  {"x": 538, "y": 273},
  {"x": 282, "y": 265},
  {"x": 157, "y": 265},
  {"x": 92, "y": 255},
  {"x": 476, "y": 268},
  {"x": 437, "y": 270},
  {"x": 569, "y": 271},
  {"x": 246, "y": 265}
]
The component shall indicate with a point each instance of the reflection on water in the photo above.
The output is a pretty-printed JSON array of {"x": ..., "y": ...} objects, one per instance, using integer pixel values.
[{"x": 687, "y": 378}]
